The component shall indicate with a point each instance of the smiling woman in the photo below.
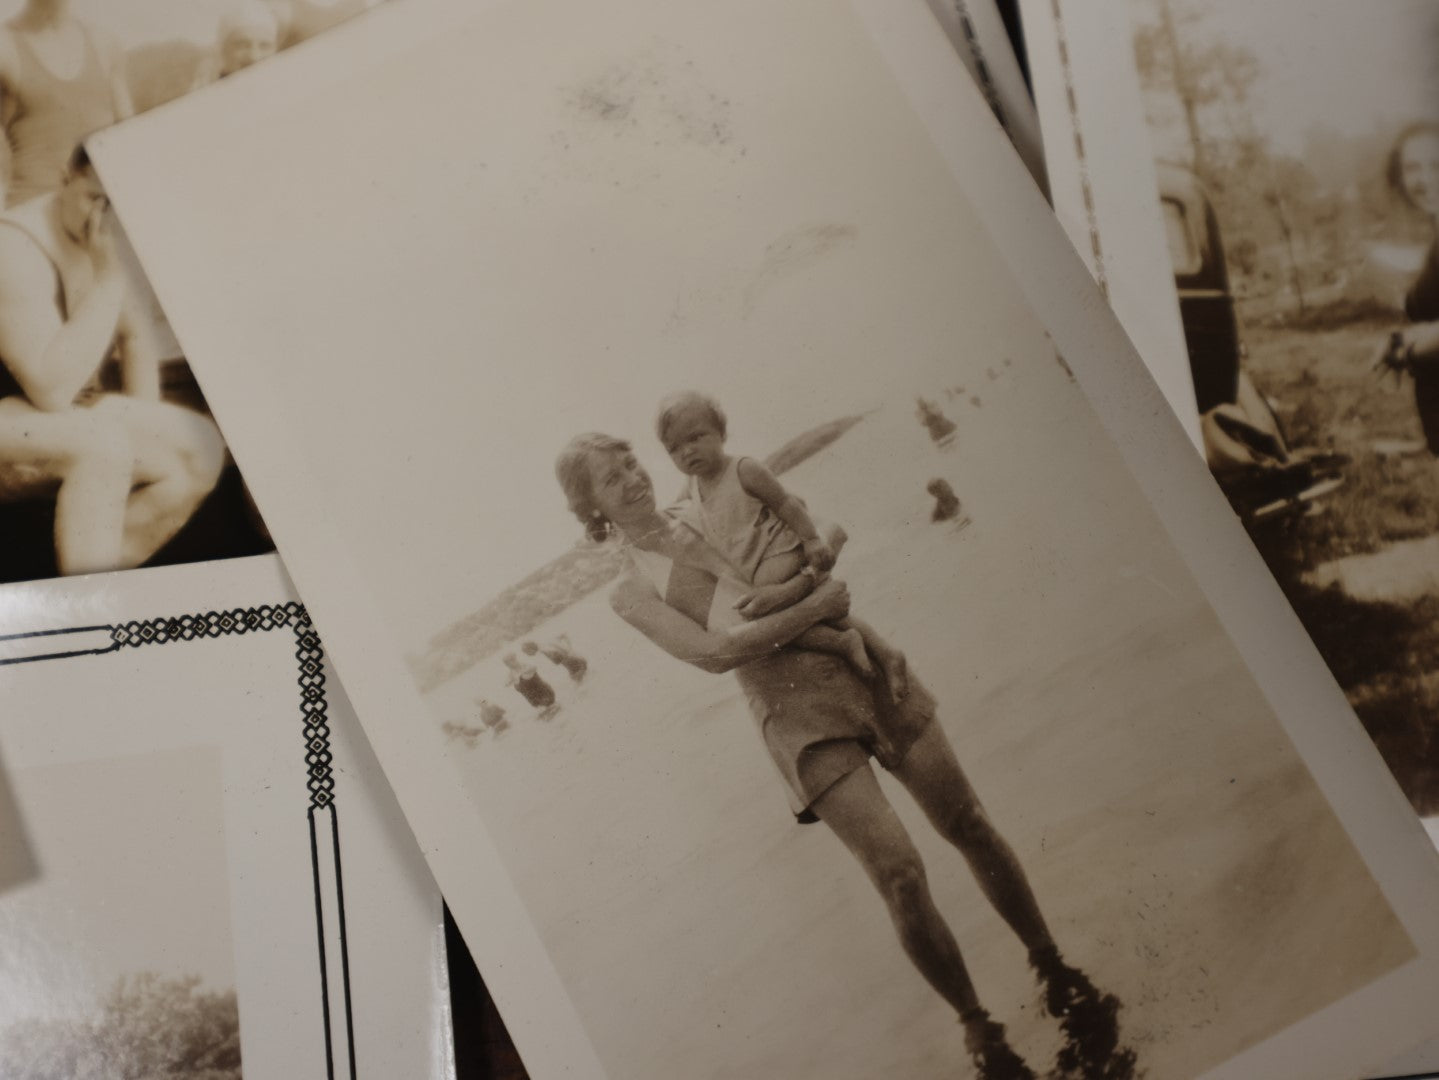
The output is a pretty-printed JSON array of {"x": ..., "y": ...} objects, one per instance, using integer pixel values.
[{"x": 821, "y": 724}]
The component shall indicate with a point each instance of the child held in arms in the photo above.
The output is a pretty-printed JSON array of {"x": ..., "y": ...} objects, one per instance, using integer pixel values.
[{"x": 765, "y": 533}]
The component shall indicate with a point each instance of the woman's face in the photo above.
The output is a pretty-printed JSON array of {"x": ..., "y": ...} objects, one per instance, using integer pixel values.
[
  {"x": 621, "y": 488},
  {"x": 1419, "y": 171}
]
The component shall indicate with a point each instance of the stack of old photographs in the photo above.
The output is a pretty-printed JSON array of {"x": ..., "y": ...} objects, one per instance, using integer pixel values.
[{"x": 779, "y": 575}]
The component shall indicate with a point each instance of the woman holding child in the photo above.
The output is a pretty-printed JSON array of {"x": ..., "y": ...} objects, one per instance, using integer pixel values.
[{"x": 734, "y": 580}]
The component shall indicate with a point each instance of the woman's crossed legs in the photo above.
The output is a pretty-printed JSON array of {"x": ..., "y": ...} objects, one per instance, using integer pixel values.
[{"x": 127, "y": 474}]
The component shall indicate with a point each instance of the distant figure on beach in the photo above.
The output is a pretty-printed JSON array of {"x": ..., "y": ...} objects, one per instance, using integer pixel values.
[
  {"x": 821, "y": 725},
  {"x": 528, "y": 682},
  {"x": 941, "y": 428},
  {"x": 492, "y": 715},
  {"x": 61, "y": 80},
  {"x": 469, "y": 735},
  {"x": 946, "y": 502},
  {"x": 559, "y": 652},
  {"x": 1413, "y": 173},
  {"x": 764, "y": 534}
]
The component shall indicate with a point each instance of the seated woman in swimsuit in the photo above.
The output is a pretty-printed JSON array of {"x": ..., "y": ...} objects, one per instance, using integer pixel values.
[
  {"x": 61, "y": 80},
  {"x": 821, "y": 723}
]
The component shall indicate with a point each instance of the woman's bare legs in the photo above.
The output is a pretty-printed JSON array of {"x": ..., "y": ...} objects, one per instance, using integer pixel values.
[
  {"x": 857, "y": 811},
  {"x": 178, "y": 455},
  {"x": 1089, "y": 1018},
  {"x": 91, "y": 459},
  {"x": 931, "y": 773}
]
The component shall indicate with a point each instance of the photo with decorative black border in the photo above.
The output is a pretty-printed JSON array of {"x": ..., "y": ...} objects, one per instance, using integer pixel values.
[{"x": 183, "y": 778}]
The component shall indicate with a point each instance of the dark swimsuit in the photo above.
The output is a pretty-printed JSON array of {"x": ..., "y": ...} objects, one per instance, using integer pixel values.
[{"x": 1422, "y": 305}]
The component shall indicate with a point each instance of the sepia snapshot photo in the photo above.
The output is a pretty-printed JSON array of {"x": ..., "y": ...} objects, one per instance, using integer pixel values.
[
  {"x": 1291, "y": 153},
  {"x": 712, "y": 503},
  {"x": 108, "y": 456},
  {"x": 98, "y": 978},
  {"x": 223, "y": 882}
]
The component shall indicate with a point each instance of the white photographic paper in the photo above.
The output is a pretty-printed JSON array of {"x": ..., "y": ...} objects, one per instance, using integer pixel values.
[
  {"x": 976, "y": 31},
  {"x": 224, "y": 878},
  {"x": 508, "y": 225},
  {"x": 1099, "y": 176}
]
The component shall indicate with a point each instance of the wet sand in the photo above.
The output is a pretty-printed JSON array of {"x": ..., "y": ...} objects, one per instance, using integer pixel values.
[{"x": 1175, "y": 843}]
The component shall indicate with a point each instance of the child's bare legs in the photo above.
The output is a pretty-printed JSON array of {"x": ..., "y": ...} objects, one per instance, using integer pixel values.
[
  {"x": 850, "y": 638},
  {"x": 891, "y": 661}
]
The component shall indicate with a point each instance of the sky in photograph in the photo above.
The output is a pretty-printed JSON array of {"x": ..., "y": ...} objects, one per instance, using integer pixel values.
[
  {"x": 657, "y": 207},
  {"x": 133, "y": 879},
  {"x": 1326, "y": 64}
]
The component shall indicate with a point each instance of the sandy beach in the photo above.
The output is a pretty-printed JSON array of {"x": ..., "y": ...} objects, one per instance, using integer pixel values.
[{"x": 1175, "y": 842}]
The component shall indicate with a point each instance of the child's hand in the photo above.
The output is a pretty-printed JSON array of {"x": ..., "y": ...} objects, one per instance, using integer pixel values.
[{"x": 819, "y": 555}]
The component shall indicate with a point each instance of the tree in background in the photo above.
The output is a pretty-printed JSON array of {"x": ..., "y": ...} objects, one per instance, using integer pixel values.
[
  {"x": 1212, "y": 81},
  {"x": 150, "y": 1026},
  {"x": 1273, "y": 208}
]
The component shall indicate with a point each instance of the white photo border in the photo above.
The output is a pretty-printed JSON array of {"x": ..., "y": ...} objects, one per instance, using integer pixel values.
[{"x": 72, "y": 643}]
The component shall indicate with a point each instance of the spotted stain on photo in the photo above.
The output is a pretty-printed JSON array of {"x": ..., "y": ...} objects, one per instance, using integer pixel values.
[{"x": 657, "y": 96}]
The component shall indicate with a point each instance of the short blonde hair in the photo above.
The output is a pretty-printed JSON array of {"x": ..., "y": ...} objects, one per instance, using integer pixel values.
[
  {"x": 572, "y": 470},
  {"x": 676, "y": 403}
]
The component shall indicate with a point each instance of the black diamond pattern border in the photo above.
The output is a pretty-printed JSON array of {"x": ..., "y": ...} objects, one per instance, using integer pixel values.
[{"x": 309, "y": 655}]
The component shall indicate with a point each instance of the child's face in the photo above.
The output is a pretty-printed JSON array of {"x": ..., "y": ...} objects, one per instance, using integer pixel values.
[{"x": 694, "y": 442}]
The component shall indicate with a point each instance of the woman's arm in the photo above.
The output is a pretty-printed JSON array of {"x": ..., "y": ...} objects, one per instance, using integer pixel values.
[
  {"x": 139, "y": 356},
  {"x": 718, "y": 651}
]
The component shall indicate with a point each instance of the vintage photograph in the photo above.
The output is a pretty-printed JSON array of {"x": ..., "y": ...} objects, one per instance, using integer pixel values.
[
  {"x": 994, "y": 842},
  {"x": 765, "y": 637},
  {"x": 1300, "y": 211},
  {"x": 119, "y": 957},
  {"x": 218, "y": 832},
  {"x": 108, "y": 456}
]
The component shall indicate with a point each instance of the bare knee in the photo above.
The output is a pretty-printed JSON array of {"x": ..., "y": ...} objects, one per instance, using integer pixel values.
[
  {"x": 901, "y": 881},
  {"x": 187, "y": 453},
  {"x": 966, "y": 824},
  {"x": 203, "y": 453}
]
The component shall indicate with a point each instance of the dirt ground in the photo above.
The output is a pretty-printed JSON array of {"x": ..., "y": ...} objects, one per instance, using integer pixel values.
[
  {"x": 1362, "y": 573},
  {"x": 1176, "y": 844}
]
